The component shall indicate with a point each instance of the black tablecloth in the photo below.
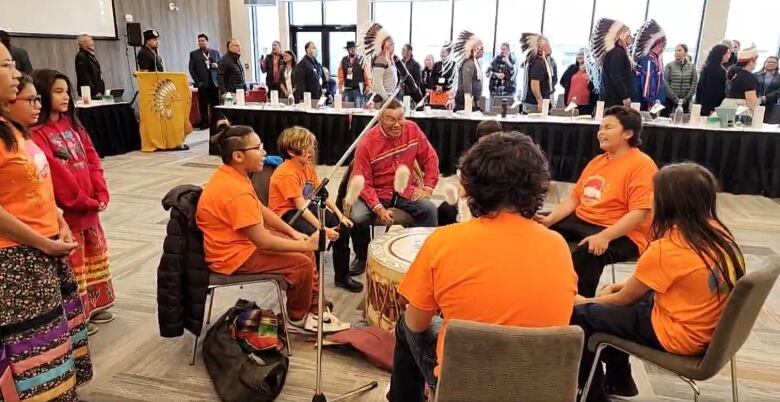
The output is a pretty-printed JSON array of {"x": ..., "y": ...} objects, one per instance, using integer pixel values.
[
  {"x": 113, "y": 128},
  {"x": 744, "y": 162}
]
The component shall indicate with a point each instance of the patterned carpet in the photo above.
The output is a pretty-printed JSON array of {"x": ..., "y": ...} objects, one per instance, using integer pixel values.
[{"x": 133, "y": 363}]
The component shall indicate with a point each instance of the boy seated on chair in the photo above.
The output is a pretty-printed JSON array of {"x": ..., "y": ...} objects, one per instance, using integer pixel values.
[
  {"x": 388, "y": 145},
  {"x": 243, "y": 236},
  {"x": 292, "y": 186},
  {"x": 501, "y": 267}
]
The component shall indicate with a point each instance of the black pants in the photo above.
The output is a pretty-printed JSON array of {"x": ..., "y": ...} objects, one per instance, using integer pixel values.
[
  {"x": 670, "y": 106},
  {"x": 628, "y": 322},
  {"x": 590, "y": 266},
  {"x": 340, "y": 247},
  {"x": 207, "y": 98}
]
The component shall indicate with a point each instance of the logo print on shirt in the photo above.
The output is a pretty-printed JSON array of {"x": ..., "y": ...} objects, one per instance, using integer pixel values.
[
  {"x": 40, "y": 166},
  {"x": 593, "y": 189},
  {"x": 308, "y": 190}
]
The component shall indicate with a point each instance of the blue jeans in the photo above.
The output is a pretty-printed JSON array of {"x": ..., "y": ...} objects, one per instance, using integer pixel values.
[
  {"x": 424, "y": 212},
  {"x": 413, "y": 362},
  {"x": 353, "y": 95}
]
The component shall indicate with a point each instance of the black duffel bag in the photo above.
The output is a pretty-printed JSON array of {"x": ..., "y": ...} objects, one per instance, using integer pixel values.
[{"x": 239, "y": 376}]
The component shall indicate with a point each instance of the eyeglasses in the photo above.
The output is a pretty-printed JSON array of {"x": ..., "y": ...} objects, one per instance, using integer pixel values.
[
  {"x": 257, "y": 148},
  {"x": 9, "y": 64},
  {"x": 391, "y": 121},
  {"x": 30, "y": 101}
]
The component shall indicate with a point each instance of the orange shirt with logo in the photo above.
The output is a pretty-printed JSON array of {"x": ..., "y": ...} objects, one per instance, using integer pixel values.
[
  {"x": 610, "y": 188},
  {"x": 689, "y": 297},
  {"x": 528, "y": 281},
  {"x": 26, "y": 190},
  {"x": 228, "y": 203},
  {"x": 289, "y": 181}
]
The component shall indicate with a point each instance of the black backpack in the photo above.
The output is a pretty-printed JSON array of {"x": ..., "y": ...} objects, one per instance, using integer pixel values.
[{"x": 239, "y": 376}]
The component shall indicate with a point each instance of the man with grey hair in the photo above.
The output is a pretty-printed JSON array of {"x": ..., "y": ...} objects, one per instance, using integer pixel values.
[{"x": 88, "y": 72}]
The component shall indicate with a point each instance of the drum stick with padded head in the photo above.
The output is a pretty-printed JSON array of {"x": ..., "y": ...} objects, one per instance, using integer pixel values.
[{"x": 354, "y": 188}]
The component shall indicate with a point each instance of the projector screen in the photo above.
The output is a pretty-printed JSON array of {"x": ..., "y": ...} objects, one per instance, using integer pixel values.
[{"x": 63, "y": 18}]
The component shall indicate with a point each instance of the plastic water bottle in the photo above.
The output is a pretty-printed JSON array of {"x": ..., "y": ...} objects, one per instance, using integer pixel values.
[
  {"x": 229, "y": 99},
  {"x": 678, "y": 113},
  {"x": 504, "y": 107}
]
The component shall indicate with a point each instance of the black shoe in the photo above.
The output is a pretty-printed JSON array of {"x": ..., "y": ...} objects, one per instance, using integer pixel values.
[
  {"x": 350, "y": 285},
  {"x": 625, "y": 387},
  {"x": 357, "y": 267}
]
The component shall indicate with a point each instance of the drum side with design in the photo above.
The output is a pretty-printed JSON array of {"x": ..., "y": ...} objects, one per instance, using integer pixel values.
[{"x": 389, "y": 257}]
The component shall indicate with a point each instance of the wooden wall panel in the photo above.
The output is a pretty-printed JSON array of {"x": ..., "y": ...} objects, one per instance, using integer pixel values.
[{"x": 178, "y": 32}]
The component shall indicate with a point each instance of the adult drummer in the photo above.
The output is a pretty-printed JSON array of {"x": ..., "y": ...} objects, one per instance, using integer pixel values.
[
  {"x": 609, "y": 211},
  {"x": 500, "y": 268},
  {"x": 387, "y": 146}
]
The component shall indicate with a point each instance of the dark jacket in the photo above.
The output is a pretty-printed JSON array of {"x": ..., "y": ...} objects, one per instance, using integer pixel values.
[
  {"x": 508, "y": 82},
  {"x": 267, "y": 66},
  {"x": 22, "y": 59},
  {"x": 149, "y": 60},
  {"x": 415, "y": 74},
  {"x": 426, "y": 75},
  {"x": 231, "y": 73},
  {"x": 88, "y": 73},
  {"x": 771, "y": 91},
  {"x": 200, "y": 68},
  {"x": 566, "y": 84},
  {"x": 617, "y": 77},
  {"x": 711, "y": 89},
  {"x": 358, "y": 73},
  {"x": 182, "y": 276},
  {"x": 308, "y": 78},
  {"x": 440, "y": 77}
]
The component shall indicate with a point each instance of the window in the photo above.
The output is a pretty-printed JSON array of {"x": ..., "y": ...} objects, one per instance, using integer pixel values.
[
  {"x": 514, "y": 18},
  {"x": 479, "y": 17},
  {"x": 755, "y": 21},
  {"x": 430, "y": 27},
  {"x": 567, "y": 26},
  {"x": 341, "y": 12},
  {"x": 307, "y": 13},
  {"x": 394, "y": 17},
  {"x": 629, "y": 12},
  {"x": 681, "y": 21},
  {"x": 265, "y": 29}
]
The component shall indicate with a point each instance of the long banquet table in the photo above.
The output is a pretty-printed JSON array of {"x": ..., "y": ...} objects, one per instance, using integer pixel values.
[
  {"x": 112, "y": 127},
  {"x": 745, "y": 160}
]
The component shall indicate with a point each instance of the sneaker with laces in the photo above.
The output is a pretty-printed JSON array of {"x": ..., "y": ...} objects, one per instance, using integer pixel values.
[{"x": 330, "y": 324}]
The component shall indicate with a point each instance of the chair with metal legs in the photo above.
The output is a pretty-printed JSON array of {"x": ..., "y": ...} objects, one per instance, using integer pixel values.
[
  {"x": 223, "y": 281},
  {"x": 740, "y": 314}
]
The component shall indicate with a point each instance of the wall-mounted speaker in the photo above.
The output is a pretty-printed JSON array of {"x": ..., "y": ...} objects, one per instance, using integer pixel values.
[{"x": 134, "y": 35}]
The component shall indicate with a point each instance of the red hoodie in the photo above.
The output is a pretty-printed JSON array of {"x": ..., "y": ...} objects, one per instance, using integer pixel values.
[
  {"x": 79, "y": 185},
  {"x": 378, "y": 156}
]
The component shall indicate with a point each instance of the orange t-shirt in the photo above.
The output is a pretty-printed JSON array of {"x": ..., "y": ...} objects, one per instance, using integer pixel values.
[
  {"x": 289, "y": 181},
  {"x": 228, "y": 203},
  {"x": 609, "y": 189},
  {"x": 528, "y": 281},
  {"x": 26, "y": 190},
  {"x": 689, "y": 297}
]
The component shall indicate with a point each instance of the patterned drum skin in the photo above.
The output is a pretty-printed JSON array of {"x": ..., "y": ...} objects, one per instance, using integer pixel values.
[{"x": 389, "y": 257}]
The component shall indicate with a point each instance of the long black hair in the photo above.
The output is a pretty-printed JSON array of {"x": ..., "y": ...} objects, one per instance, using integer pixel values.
[
  {"x": 6, "y": 132},
  {"x": 44, "y": 81},
  {"x": 715, "y": 57},
  {"x": 685, "y": 198}
]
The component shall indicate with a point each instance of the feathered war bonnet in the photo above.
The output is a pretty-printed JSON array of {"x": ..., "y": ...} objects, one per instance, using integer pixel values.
[
  {"x": 529, "y": 44},
  {"x": 371, "y": 43},
  {"x": 604, "y": 38},
  {"x": 461, "y": 50},
  {"x": 646, "y": 37}
]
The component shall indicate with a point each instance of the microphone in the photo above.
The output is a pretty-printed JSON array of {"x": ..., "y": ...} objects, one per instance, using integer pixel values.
[
  {"x": 400, "y": 183},
  {"x": 407, "y": 78}
]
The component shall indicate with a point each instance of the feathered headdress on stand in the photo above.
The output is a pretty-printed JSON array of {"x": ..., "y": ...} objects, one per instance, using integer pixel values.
[
  {"x": 646, "y": 37},
  {"x": 604, "y": 38},
  {"x": 460, "y": 51},
  {"x": 372, "y": 42}
]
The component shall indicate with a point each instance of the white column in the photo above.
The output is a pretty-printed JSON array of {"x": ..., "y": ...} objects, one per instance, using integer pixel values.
[
  {"x": 284, "y": 25},
  {"x": 713, "y": 28},
  {"x": 239, "y": 28}
]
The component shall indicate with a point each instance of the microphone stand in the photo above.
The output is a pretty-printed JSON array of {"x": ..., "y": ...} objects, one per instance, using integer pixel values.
[{"x": 319, "y": 201}]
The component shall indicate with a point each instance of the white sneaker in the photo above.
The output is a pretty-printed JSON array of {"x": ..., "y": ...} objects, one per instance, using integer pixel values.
[{"x": 331, "y": 323}]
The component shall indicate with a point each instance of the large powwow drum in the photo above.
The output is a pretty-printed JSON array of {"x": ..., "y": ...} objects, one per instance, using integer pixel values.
[{"x": 389, "y": 257}]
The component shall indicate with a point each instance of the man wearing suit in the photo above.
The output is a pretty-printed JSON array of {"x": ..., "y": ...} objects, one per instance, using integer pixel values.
[
  {"x": 88, "y": 71},
  {"x": 18, "y": 54},
  {"x": 148, "y": 59},
  {"x": 205, "y": 74},
  {"x": 308, "y": 75}
]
